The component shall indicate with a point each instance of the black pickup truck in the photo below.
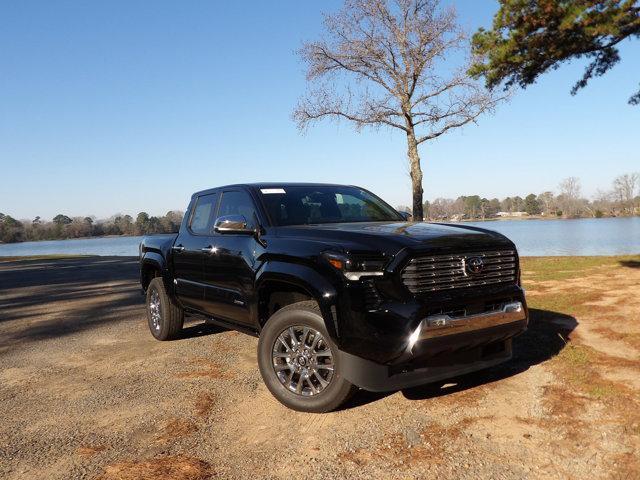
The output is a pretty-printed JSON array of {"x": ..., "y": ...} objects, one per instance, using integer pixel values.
[{"x": 342, "y": 291}]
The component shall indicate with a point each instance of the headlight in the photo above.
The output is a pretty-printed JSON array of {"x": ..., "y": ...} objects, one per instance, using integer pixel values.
[{"x": 355, "y": 268}]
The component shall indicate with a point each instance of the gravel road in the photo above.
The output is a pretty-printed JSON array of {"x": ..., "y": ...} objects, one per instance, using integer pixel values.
[{"x": 88, "y": 393}]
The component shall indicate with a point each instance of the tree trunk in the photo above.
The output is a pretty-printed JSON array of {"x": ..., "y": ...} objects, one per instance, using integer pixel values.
[{"x": 416, "y": 176}]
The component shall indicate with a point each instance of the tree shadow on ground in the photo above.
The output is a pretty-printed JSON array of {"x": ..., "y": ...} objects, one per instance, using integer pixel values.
[
  {"x": 59, "y": 297},
  {"x": 547, "y": 334},
  {"x": 43, "y": 299}
]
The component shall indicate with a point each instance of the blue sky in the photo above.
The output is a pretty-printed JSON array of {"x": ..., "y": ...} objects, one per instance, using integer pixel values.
[{"x": 124, "y": 106}]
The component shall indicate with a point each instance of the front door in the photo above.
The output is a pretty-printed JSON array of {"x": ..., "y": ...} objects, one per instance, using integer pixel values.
[
  {"x": 189, "y": 251},
  {"x": 229, "y": 267}
]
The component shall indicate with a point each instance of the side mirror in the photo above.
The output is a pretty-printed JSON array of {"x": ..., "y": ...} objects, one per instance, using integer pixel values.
[
  {"x": 232, "y": 224},
  {"x": 406, "y": 215}
]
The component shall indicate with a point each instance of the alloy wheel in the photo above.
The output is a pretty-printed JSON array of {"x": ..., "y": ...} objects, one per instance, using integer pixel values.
[{"x": 302, "y": 360}]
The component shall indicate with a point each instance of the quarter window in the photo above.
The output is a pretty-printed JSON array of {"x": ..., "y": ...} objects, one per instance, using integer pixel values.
[{"x": 203, "y": 213}]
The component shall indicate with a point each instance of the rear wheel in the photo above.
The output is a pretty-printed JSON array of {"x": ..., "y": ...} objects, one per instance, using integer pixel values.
[
  {"x": 165, "y": 319},
  {"x": 298, "y": 361}
]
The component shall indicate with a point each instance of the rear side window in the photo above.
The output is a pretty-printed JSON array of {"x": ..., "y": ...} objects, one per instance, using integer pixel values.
[
  {"x": 203, "y": 214},
  {"x": 238, "y": 203}
]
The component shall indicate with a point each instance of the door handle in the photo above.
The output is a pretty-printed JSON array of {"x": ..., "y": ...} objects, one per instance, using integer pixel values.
[
  {"x": 209, "y": 249},
  {"x": 177, "y": 248}
]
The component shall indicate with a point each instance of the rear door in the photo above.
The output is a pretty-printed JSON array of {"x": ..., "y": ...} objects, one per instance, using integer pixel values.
[
  {"x": 229, "y": 269},
  {"x": 189, "y": 252}
]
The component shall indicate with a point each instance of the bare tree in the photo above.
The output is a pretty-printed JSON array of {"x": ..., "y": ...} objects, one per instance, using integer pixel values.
[
  {"x": 548, "y": 202},
  {"x": 382, "y": 63},
  {"x": 570, "y": 197},
  {"x": 624, "y": 188},
  {"x": 602, "y": 203}
]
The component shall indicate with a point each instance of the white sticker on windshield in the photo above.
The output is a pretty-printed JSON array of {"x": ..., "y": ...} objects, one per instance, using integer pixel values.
[{"x": 272, "y": 190}]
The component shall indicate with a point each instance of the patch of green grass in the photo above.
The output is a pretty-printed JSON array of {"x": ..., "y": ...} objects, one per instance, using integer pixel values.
[
  {"x": 575, "y": 355},
  {"x": 570, "y": 303},
  {"x": 577, "y": 301},
  {"x": 602, "y": 391},
  {"x": 576, "y": 366},
  {"x": 562, "y": 268}
]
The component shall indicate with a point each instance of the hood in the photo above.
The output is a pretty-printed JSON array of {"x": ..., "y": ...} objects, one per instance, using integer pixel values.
[{"x": 390, "y": 237}]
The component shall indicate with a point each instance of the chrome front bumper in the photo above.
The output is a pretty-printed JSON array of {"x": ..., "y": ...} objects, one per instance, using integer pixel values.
[{"x": 442, "y": 325}]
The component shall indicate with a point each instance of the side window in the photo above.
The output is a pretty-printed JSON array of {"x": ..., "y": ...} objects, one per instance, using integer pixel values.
[
  {"x": 202, "y": 218},
  {"x": 238, "y": 203}
]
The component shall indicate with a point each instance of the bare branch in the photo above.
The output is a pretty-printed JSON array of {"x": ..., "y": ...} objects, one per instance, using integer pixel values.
[{"x": 387, "y": 63}]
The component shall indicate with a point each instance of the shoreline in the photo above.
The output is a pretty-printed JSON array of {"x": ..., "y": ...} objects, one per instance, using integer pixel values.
[{"x": 479, "y": 220}]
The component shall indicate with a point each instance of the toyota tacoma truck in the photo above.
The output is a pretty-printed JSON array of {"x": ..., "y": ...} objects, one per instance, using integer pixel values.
[{"x": 342, "y": 291}]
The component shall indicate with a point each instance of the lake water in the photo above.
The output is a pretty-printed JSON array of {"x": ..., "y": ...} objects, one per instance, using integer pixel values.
[{"x": 585, "y": 236}]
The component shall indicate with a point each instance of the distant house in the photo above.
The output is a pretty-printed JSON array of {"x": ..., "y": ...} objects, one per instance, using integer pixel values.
[{"x": 512, "y": 214}]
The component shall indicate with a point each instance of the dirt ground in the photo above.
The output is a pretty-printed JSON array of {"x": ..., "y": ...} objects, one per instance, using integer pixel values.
[{"x": 88, "y": 393}]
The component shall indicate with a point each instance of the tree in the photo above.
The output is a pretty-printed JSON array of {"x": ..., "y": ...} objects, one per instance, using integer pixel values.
[
  {"x": 624, "y": 188},
  {"x": 171, "y": 221},
  {"x": 441, "y": 208},
  {"x": 382, "y": 65},
  {"x": 531, "y": 205},
  {"x": 602, "y": 203},
  {"x": 485, "y": 208},
  {"x": 11, "y": 230},
  {"x": 61, "y": 219},
  {"x": 142, "y": 223},
  {"x": 472, "y": 206},
  {"x": 426, "y": 209},
  {"x": 530, "y": 37},
  {"x": 547, "y": 202},
  {"x": 569, "y": 198},
  {"x": 493, "y": 208}
]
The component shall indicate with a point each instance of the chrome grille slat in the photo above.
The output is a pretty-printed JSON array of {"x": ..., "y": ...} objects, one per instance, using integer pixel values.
[
  {"x": 445, "y": 272},
  {"x": 462, "y": 279}
]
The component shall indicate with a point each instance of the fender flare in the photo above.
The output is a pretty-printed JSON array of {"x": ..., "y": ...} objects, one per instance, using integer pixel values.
[
  {"x": 308, "y": 279},
  {"x": 158, "y": 262}
]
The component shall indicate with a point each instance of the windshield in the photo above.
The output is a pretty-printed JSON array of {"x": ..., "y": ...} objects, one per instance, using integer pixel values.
[{"x": 303, "y": 205}]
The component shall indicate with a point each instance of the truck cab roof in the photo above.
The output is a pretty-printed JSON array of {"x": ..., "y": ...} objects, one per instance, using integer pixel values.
[{"x": 261, "y": 185}]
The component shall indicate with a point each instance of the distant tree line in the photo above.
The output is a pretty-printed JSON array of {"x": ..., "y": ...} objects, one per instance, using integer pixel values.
[
  {"x": 623, "y": 199},
  {"x": 64, "y": 227}
]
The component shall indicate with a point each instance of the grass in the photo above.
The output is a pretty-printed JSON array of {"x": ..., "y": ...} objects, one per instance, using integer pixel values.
[
  {"x": 542, "y": 269},
  {"x": 585, "y": 288},
  {"x": 575, "y": 356},
  {"x": 573, "y": 301},
  {"x": 601, "y": 392}
]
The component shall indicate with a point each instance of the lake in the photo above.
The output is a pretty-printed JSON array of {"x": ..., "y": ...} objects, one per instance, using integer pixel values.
[{"x": 584, "y": 236}]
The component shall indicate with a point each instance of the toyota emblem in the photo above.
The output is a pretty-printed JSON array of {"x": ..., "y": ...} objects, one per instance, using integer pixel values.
[{"x": 474, "y": 265}]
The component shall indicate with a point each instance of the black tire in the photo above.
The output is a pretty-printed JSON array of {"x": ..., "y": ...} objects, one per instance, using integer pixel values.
[
  {"x": 338, "y": 390},
  {"x": 171, "y": 316}
]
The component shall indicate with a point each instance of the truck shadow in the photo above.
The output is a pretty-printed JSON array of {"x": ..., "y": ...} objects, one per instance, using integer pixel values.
[
  {"x": 199, "y": 329},
  {"x": 548, "y": 333},
  {"x": 630, "y": 263}
]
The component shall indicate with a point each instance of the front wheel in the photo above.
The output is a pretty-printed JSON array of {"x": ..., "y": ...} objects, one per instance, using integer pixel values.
[
  {"x": 298, "y": 361},
  {"x": 165, "y": 319}
]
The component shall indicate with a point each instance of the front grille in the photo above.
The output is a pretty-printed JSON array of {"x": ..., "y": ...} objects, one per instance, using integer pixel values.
[{"x": 445, "y": 272}]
